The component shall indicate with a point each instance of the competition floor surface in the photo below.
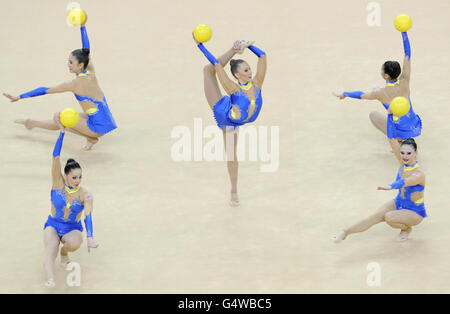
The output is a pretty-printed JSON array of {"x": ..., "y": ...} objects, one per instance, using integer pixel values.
[{"x": 165, "y": 226}]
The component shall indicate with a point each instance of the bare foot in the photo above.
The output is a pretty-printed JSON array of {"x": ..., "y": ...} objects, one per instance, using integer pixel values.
[
  {"x": 404, "y": 235},
  {"x": 234, "y": 202},
  {"x": 50, "y": 283},
  {"x": 24, "y": 122},
  {"x": 90, "y": 143},
  {"x": 340, "y": 236}
]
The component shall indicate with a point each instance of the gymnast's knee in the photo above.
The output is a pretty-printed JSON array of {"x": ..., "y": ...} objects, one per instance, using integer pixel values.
[
  {"x": 373, "y": 116},
  {"x": 71, "y": 246}
]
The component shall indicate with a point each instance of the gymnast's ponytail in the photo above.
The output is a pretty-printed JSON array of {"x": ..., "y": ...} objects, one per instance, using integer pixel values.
[{"x": 70, "y": 165}]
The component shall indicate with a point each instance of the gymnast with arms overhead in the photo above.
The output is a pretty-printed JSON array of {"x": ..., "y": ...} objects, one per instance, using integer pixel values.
[
  {"x": 68, "y": 202},
  {"x": 243, "y": 101}
]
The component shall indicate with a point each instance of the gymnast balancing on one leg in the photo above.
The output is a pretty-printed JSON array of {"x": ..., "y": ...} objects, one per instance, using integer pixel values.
[
  {"x": 408, "y": 208},
  {"x": 242, "y": 104},
  {"x": 68, "y": 201},
  {"x": 96, "y": 120},
  {"x": 397, "y": 129}
]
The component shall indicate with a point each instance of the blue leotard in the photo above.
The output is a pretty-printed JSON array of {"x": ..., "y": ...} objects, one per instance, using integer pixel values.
[
  {"x": 64, "y": 223},
  {"x": 403, "y": 199},
  {"x": 67, "y": 216},
  {"x": 101, "y": 120},
  {"x": 222, "y": 109},
  {"x": 409, "y": 125}
]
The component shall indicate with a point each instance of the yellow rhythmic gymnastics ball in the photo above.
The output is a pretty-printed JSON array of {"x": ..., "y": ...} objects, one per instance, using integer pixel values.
[
  {"x": 68, "y": 117},
  {"x": 76, "y": 17},
  {"x": 403, "y": 22},
  {"x": 399, "y": 107},
  {"x": 202, "y": 33}
]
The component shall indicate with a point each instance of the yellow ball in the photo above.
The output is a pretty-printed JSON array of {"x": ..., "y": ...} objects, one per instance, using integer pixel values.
[
  {"x": 76, "y": 17},
  {"x": 68, "y": 117},
  {"x": 399, "y": 106},
  {"x": 403, "y": 22},
  {"x": 202, "y": 33}
]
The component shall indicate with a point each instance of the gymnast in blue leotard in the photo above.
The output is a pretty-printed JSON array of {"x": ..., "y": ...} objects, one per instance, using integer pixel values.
[
  {"x": 243, "y": 101},
  {"x": 408, "y": 207},
  {"x": 397, "y": 129},
  {"x": 68, "y": 203},
  {"x": 96, "y": 118}
]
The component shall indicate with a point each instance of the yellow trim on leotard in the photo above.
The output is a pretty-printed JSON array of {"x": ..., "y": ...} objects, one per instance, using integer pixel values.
[
  {"x": 233, "y": 114},
  {"x": 396, "y": 82},
  {"x": 419, "y": 201},
  {"x": 91, "y": 110},
  {"x": 409, "y": 168},
  {"x": 86, "y": 73},
  {"x": 246, "y": 87},
  {"x": 66, "y": 188}
]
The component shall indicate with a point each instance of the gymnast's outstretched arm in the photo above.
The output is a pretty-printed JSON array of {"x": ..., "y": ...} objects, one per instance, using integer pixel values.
[
  {"x": 57, "y": 179},
  {"x": 374, "y": 95},
  {"x": 416, "y": 178},
  {"x": 407, "y": 61},
  {"x": 261, "y": 67},
  {"x": 68, "y": 86},
  {"x": 86, "y": 45}
]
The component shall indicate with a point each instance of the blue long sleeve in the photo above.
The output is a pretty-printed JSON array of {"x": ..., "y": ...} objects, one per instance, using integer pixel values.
[
  {"x": 84, "y": 38},
  {"x": 256, "y": 51},
  {"x": 58, "y": 145},
  {"x": 88, "y": 225},
  {"x": 355, "y": 94},
  {"x": 35, "y": 92},
  {"x": 398, "y": 184},
  {"x": 208, "y": 54},
  {"x": 406, "y": 45}
]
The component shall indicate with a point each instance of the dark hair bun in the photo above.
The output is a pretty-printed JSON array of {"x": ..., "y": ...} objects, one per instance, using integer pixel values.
[
  {"x": 392, "y": 68},
  {"x": 410, "y": 141},
  {"x": 82, "y": 55},
  {"x": 71, "y": 164},
  {"x": 70, "y": 160}
]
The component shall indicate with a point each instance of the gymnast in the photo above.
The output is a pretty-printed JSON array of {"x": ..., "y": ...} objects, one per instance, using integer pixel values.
[
  {"x": 96, "y": 118},
  {"x": 68, "y": 201},
  {"x": 397, "y": 129},
  {"x": 407, "y": 209},
  {"x": 243, "y": 101}
]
